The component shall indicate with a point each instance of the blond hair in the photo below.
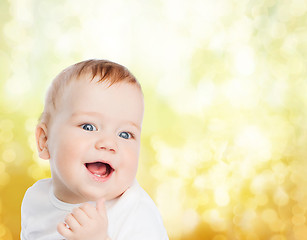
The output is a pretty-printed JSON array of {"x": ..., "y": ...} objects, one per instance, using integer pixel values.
[{"x": 103, "y": 70}]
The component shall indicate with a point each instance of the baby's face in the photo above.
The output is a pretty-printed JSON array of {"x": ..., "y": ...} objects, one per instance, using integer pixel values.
[{"x": 94, "y": 141}]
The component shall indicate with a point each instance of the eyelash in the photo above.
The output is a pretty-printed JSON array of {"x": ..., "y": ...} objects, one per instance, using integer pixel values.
[
  {"x": 95, "y": 129},
  {"x": 130, "y": 133},
  {"x": 88, "y": 124}
]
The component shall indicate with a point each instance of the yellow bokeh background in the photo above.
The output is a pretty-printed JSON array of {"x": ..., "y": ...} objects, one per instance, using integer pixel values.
[{"x": 224, "y": 144}]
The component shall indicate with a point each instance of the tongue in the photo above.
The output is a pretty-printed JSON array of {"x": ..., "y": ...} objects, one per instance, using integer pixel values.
[{"x": 97, "y": 168}]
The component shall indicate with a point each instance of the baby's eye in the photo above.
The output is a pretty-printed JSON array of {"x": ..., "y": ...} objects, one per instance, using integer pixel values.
[
  {"x": 125, "y": 135},
  {"x": 88, "y": 127}
]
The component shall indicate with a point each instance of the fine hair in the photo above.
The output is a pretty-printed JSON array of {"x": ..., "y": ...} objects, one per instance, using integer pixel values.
[{"x": 101, "y": 71}]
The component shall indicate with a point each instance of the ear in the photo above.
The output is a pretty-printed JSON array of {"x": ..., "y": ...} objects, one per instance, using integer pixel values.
[{"x": 41, "y": 141}]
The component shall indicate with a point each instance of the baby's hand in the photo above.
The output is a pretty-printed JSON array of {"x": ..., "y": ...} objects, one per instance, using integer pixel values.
[{"x": 86, "y": 222}]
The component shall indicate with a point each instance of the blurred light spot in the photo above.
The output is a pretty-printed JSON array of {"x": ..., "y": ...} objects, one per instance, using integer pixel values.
[
  {"x": 280, "y": 172},
  {"x": 32, "y": 142},
  {"x": 177, "y": 15},
  {"x": 165, "y": 156},
  {"x": 261, "y": 199},
  {"x": 278, "y": 30},
  {"x": 240, "y": 93},
  {"x": 6, "y": 127},
  {"x": 10, "y": 30},
  {"x": 254, "y": 143},
  {"x": 290, "y": 45},
  {"x": 4, "y": 179},
  {"x": 298, "y": 7},
  {"x": 21, "y": 12},
  {"x": 190, "y": 220},
  {"x": 187, "y": 102},
  {"x": 5, "y": 233},
  {"x": 246, "y": 169},
  {"x": 278, "y": 226},
  {"x": 2, "y": 230},
  {"x": 169, "y": 199},
  {"x": 276, "y": 96},
  {"x": 9, "y": 155},
  {"x": 298, "y": 219},
  {"x": 244, "y": 60},
  {"x": 63, "y": 45},
  {"x": 278, "y": 237},
  {"x": 247, "y": 219},
  {"x": 6, "y": 124},
  {"x": 214, "y": 218},
  {"x": 17, "y": 85},
  {"x": 200, "y": 182},
  {"x": 216, "y": 125},
  {"x": 297, "y": 67},
  {"x": 221, "y": 196},
  {"x": 269, "y": 215},
  {"x": 281, "y": 198},
  {"x": 296, "y": 209},
  {"x": 262, "y": 182},
  {"x": 205, "y": 93},
  {"x": 252, "y": 236},
  {"x": 220, "y": 237},
  {"x": 35, "y": 172},
  {"x": 30, "y": 125},
  {"x": 238, "y": 210},
  {"x": 6, "y": 136},
  {"x": 217, "y": 41},
  {"x": 236, "y": 220},
  {"x": 300, "y": 232},
  {"x": 282, "y": 13},
  {"x": 2, "y": 167}
]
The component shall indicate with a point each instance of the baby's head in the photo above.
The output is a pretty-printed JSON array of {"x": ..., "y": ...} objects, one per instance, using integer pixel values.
[
  {"x": 90, "y": 131},
  {"x": 100, "y": 71}
]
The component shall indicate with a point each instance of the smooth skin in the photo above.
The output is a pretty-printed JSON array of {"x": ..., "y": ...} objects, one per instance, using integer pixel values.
[{"x": 93, "y": 123}]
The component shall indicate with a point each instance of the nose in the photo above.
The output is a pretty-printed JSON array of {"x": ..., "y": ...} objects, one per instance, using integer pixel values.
[{"x": 106, "y": 143}]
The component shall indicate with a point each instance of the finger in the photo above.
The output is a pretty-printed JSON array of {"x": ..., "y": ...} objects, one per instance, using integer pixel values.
[
  {"x": 89, "y": 210},
  {"x": 64, "y": 230},
  {"x": 72, "y": 222},
  {"x": 101, "y": 208},
  {"x": 80, "y": 216}
]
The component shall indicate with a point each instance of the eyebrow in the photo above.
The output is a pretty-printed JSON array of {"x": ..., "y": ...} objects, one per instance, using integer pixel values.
[
  {"x": 77, "y": 114},
  {"x": 134, "y": 125},
  {"x": 95, "y": 114}
]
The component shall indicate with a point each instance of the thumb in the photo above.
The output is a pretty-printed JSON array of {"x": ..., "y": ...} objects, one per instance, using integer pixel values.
[{"x": 100, "y": 206}]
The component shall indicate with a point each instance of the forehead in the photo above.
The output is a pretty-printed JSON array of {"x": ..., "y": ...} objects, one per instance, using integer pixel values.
[{"x": 119, "y": 101}]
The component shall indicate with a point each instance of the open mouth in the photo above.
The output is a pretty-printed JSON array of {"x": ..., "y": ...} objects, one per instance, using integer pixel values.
[{"x": 99, "y": 169}]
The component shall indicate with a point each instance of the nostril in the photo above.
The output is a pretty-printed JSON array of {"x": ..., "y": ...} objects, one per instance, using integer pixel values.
[
  {"x": 106, "y": 143},
  {"x": 106, "y": 148}
]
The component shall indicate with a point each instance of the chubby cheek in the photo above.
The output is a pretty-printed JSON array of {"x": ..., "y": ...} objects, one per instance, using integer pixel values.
[
  {"x": 67, "y": 154},
  {"x": 130, "y": 163}
]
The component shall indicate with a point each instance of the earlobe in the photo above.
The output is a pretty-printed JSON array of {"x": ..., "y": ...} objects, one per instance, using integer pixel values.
[{"x": 41, "y": 140}]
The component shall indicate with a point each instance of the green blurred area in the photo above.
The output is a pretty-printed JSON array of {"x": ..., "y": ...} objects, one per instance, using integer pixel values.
[{"x": 224, "y": 136}]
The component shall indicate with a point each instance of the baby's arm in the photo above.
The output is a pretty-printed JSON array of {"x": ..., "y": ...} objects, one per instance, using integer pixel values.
[{"x": 86, "y": 222}]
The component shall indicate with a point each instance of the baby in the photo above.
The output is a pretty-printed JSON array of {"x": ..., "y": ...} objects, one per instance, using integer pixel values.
[{"x": 90, "y": 132}]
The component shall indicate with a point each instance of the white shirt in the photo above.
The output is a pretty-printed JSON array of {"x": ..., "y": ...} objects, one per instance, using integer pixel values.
[{"x": 132, "y": 216}]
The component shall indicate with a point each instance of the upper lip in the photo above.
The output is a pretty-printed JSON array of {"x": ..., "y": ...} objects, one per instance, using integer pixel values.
[{"x": 102, "y": 161}]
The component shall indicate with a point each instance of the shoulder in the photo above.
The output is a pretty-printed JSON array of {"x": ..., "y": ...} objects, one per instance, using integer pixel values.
[
  {"x": 42, "y": 184},
  {"x": 39, "y": 217},
  {"x": 40, "y": 187},
  {"x": 34, "y": 198},
  {"x": 38, "y": 192},
  {"x": 144, "y": 205},
  {"x": 143, "y": 219}
]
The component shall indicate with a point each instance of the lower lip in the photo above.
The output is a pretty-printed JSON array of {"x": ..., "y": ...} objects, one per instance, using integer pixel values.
[{"x": 100, "y": 179}]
